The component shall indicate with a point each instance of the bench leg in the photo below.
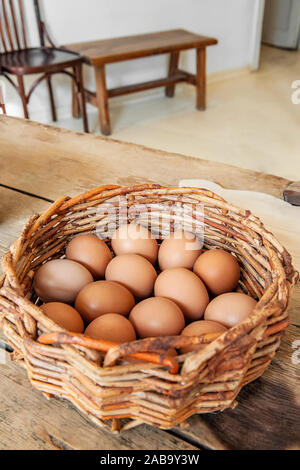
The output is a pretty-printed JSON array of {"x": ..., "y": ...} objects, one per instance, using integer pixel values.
[
  {"x": 201, "y": 78},
  {"x": 173, "y": 65},
  {"x": 102, "y": 99}
]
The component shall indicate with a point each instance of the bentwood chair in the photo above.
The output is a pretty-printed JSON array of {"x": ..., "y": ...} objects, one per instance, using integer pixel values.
[{"x": 16, "y": 58}]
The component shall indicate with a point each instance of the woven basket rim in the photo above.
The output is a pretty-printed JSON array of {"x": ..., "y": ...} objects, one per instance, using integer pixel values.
[
  {"x": 280, "y": 261},
  {"x": 66, "y": 203}
]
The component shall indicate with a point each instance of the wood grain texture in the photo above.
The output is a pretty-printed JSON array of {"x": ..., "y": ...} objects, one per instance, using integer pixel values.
[
  {"x": 15, "y": 210},
  {"x": 141, "y": 45},
  {"x": 64, "y": 162},
  {"x": 267, "y": 415}
]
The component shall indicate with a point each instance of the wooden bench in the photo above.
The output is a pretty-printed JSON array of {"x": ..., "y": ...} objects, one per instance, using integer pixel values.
[{"x": 100, "y": 53}]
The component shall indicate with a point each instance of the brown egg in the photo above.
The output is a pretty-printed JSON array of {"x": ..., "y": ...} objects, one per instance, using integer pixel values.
[
  {"x": 219, "y": 271},
  {"x": 111, "y": 327},
  {"x": 134, "y": 272},
  {"x": 230, "y": 308},
  {"x": 198, "y": 328},
  {"x": 101, "y": 297},
  {"x": 64, "y": 315},
  {"x": 185, "y": 288},
  {"x": 135, "y": 239},
  {"x": 60, "y": 280},
  {"x": 179, "y": 250},
  {"x": 157, "y": 316},
  {"x": 91, "y": 252}
]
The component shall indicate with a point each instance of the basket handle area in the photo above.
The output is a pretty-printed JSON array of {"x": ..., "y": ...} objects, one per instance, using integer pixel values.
[
  {"x": 156, "y": 345},
  {"x": 105, "y": 346},
  {"x": 145, "y": 349}
]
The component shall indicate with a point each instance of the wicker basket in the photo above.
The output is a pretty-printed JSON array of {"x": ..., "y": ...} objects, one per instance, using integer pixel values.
[{"x": 113, "y": 389}]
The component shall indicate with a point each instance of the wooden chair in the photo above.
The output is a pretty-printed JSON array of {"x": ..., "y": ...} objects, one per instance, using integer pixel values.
[{"x": 16, "y": 58}]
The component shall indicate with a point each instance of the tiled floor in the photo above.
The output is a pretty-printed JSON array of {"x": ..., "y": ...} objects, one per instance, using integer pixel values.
[{"x": 250, "y": 120}]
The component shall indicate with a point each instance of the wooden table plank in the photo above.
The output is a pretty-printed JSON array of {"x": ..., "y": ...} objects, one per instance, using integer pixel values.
[
  {"x": 61, "y": 163},
  {"x": 139, "y": 45},
  {"x": 268, "y": 409},
  {"x": 15, "y": 210}
]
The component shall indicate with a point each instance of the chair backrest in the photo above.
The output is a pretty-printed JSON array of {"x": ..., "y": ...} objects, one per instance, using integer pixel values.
[{"x": 12, "y": 25}]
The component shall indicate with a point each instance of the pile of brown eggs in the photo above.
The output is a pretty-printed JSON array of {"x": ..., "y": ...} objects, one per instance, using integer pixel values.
[{"x": 121, "y": 298}]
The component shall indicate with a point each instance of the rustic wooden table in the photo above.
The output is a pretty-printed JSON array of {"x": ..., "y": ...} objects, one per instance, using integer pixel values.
[{"x": 40, "y": 163}]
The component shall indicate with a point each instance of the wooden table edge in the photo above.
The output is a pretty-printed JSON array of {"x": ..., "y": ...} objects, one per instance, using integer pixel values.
[{"x": 282, "y": 182}]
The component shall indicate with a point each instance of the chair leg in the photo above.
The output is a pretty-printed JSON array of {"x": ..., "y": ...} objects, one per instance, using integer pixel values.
[
  {"x": 52, "y": 103},
  {"x": 2, "y": 104},
  {"x": 76, "y": 111},
  {"x": 82, "y": 97},
  {"x": 23, "y": 95}
]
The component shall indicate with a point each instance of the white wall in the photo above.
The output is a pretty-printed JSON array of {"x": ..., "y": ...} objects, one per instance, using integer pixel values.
[{"x": 68, "y": 21}]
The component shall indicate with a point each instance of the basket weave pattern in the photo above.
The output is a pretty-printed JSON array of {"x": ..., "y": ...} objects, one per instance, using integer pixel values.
[{"x": 113, "y": 389}]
